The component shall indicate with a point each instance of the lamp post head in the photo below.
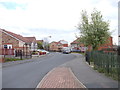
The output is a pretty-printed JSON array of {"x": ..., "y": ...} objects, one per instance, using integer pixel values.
[{"x": 49, "y": 36}]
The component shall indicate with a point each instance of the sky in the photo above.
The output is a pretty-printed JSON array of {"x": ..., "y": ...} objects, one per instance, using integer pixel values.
[{"x": 55, "y": 18}]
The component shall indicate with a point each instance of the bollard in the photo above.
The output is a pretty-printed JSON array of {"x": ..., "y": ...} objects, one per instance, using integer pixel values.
[{"x": 87, "y": 58}]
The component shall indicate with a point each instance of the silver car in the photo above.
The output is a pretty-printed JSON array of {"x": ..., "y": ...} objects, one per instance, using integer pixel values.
[{"x": 66, "y": 51}]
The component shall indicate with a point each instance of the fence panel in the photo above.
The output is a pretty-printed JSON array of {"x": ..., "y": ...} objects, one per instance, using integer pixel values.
[{"x": 106, "y": 62}]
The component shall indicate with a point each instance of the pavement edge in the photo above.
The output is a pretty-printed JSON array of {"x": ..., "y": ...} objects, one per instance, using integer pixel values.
[
  {"x": 76, "y": 78},
  {"x": 39, "y": 84}
]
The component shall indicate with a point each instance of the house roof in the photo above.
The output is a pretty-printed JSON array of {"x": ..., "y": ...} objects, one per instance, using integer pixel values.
[
  {"x": 63, "y": 42},
  {"x": 56, "y": 42},
  {"x": 75, "y": 41},
  {"x": 20, "y": 37},
  {"x": 16, "y": 36},
  {"x": 30, "y": 39}
]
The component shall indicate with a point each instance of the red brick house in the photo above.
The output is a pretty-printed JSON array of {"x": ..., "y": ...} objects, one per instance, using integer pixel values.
[
  {"x": 108, "y": 44},
  {"x": 80, "y": 46},
  {"x": 32, "y": 42},
  {"x": 77, "y": 46},
  {"x": 14, "y": 41},
  {"x": 64, "y": 43},
  {"x": 57, "y": 46}
]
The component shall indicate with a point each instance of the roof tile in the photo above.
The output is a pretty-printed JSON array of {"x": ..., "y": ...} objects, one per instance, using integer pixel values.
[{"x": 20, "y": 37}]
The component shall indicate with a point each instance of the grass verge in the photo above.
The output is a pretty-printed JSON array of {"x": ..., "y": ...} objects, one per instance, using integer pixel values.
[
  {"x": 12, "y": 59},
  {"x": 79, "y": 53}
]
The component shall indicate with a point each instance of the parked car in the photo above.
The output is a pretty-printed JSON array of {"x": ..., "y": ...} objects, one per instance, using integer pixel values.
[
  {"x": 66, "y": 50},
  {"x": 75, "y": 50},
  {"x": 45, "y": 51},
  {"x": 42, "y": 50}
]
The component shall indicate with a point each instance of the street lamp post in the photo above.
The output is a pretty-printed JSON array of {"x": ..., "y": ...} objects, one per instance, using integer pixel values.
[
  {"x": 25, "y": 51},
  {"x": 46, "y": 43}
]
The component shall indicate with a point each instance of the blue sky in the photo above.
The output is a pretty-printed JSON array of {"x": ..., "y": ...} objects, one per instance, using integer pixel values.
[
  {"x": 12, "y": 5},
  {"x": 56, "y": 18}
]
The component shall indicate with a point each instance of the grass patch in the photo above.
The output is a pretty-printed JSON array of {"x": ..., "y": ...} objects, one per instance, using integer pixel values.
[
  {"x": 113, "y": 74},
  {"x": 83, "y": 54},
  {"x": 79, "y": 53},
  {"x": 12, "y": 59},
  {"x": 95, "y": 68},
  {"x": 101, "y": 70}
]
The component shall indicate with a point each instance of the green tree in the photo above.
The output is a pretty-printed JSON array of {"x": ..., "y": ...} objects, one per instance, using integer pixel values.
[
  {"x": 40, "y": 45},
  {"x": 94, "y": 31}
]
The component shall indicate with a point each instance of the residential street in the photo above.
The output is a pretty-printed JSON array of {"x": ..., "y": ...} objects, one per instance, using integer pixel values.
[
  {"x": 60, "y": 44},
  {"x": 29, "y": 74}
]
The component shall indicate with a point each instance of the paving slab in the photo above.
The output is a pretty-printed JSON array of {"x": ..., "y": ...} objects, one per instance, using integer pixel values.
[{"x": 60, "y": 77}]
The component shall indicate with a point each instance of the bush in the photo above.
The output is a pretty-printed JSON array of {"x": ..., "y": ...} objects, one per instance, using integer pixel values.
[
  {"x": 34, "y": 53},
  {"x": 101, "y": 70},
  {"x": 11, "y": 59}
]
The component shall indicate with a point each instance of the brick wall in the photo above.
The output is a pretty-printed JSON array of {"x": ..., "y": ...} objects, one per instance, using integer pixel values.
[
  {"x": 108, "y": 44},
  {"x": 65, "y": 45},
  {"x": 8, "y": 39},
  {"x": 53, "y": 47}
]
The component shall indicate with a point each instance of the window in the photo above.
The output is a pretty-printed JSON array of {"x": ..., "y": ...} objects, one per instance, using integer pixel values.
[
  {"x": 5, "y": 46},
  {"x": 8, "y": 46}
]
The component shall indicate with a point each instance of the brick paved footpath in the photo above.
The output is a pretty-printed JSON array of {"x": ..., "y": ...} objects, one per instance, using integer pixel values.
[{"x": 60, "y": 77}]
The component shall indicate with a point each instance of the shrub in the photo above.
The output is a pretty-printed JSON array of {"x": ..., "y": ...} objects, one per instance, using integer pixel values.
[
  {"x": 11, "y": 59},
  {"x": 34, "y": 53}
]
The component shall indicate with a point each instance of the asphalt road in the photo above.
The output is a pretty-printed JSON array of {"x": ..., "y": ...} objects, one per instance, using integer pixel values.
[
  {"x": 28, "y": 75},
  {"x": 30, "y": 72}
]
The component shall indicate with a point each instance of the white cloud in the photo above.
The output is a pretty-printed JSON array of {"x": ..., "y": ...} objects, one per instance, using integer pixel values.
[{"x": 53, "y": 15}]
